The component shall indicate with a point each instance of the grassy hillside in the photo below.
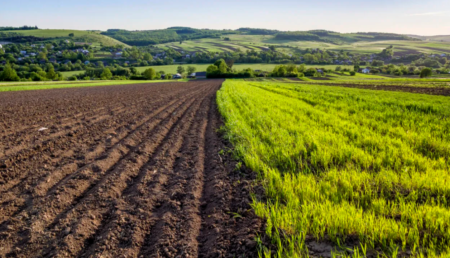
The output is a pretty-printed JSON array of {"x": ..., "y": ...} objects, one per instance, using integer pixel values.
[
  {"x": 79, "y": 36},
  {"x": 440, "y": 38},
  {"x": 262, "y": 43}
]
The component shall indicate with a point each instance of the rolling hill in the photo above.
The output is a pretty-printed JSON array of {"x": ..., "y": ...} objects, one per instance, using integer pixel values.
[{"x": 79, "y": 36}]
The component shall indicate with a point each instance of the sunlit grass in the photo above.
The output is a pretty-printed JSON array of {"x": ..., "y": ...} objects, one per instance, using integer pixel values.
[{"x": 338, "y": 163}]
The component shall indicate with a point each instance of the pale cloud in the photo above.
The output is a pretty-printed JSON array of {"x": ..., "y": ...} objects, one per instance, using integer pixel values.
[{"x": 428, "y": 14}]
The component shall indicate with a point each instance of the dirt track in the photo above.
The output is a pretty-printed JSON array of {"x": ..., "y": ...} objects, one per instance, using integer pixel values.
[{"x": 121, "y": 171}]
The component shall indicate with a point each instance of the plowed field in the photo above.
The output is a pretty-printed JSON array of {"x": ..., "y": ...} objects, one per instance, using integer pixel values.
[{"x": 120, "y": 171}]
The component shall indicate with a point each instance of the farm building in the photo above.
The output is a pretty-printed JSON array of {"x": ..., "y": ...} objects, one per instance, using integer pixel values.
[
  {"x": 200, "y": 75},
  {"x": 365, "y": 70}
]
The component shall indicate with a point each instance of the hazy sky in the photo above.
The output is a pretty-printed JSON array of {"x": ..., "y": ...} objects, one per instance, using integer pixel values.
[{"x": 424, "y": 17}]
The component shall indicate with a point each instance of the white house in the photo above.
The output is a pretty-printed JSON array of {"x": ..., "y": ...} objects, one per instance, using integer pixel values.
[
  {"x": 365, "y": 70},
  {"x": 33, "y": 54},
  {"x": 23, "y": 52},
  {"x": 67, "y": 41},
  {"x": 119, "y": 53}
]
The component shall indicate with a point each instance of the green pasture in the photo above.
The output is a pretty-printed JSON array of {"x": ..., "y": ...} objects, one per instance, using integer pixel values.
[
  {"x": 202, "y": 68},
  {"x": 262, "y": 42},
  {"x": 79, "y": 36},
  {"x": 25, "y": 86}
]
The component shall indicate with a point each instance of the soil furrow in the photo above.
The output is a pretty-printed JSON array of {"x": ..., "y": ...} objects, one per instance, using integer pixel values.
[
  {"x": 171, "y": 132},
  {"x": 122, "y": 171},
  {"x": 99, "y": 149},
  {"x": 52, "y": 177},
  {"x": 179, "y": 222},
  {"x": 82, "y": 182},
  {"x": 72, "y": 123}
]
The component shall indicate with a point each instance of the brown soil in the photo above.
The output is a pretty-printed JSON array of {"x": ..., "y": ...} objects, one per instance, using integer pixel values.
[
  {"x": 438, "y": 49},
  {"x": 405, "y": 51},
  {"x": 121, "y": 171}
]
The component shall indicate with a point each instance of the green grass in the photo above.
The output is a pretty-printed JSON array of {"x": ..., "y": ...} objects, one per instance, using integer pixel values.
[
  {"x": 261, "y": 42},
  {"x": 202, "y": 68},
  {"x": 79, "y": 36},
  {"x": 340, "y": 163},
  {"x": 25, "y": 86}
]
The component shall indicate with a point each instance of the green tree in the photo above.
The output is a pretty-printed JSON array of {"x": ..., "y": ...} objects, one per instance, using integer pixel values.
[
  {"x": 180, "y": 69},
  {"x": 212, "y": 69},
  {"x": 426, "y": 72},
  {"x": 169, "y": 76},
  {"x": 42, "y": 56},
  {"x": 9, "y": 74},
  {"x": 149, "y": 74},
  {"x": 148, "y": 57},
  {"x": 106, "y": 74},
  {"x": 51, "y": 74},
  {"x": 191, "y": 70},
  {"x": 223, "y": 68},
  {"x": 71, "y": 35}
]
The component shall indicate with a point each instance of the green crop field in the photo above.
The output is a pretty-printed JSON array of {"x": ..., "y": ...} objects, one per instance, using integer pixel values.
[
  {"x": 79, "y": 36},
  {"x": 24, "y": 86},
  {"x": 202, "y": 68},
  {"x": 262, "y": 42},
  {"x": 362, "y": 169}
]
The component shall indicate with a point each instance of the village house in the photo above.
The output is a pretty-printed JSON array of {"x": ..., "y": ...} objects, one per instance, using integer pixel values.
[
  {"x": 23, "y": 52},
  {"x": 33, "y": 54},
  {"x": 443, "y": 55},
  {"x": 67, "y": 41},
  {"x": 365, "y": 70}
]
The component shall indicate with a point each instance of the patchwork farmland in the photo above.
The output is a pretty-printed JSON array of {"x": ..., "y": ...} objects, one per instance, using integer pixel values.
[{"x": 119, "y": 171}]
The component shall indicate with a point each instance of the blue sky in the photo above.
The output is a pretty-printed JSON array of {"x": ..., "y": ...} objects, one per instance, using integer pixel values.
[{"x": 422, "y": 17}]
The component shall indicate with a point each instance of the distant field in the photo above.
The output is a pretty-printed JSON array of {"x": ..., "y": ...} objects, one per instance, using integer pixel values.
[
  {"x": 262, "y": 42},
  {"x": 24, "y": 86},
  {"x": 202, "y": 68},
  {"x": 79, "y": 35}
]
